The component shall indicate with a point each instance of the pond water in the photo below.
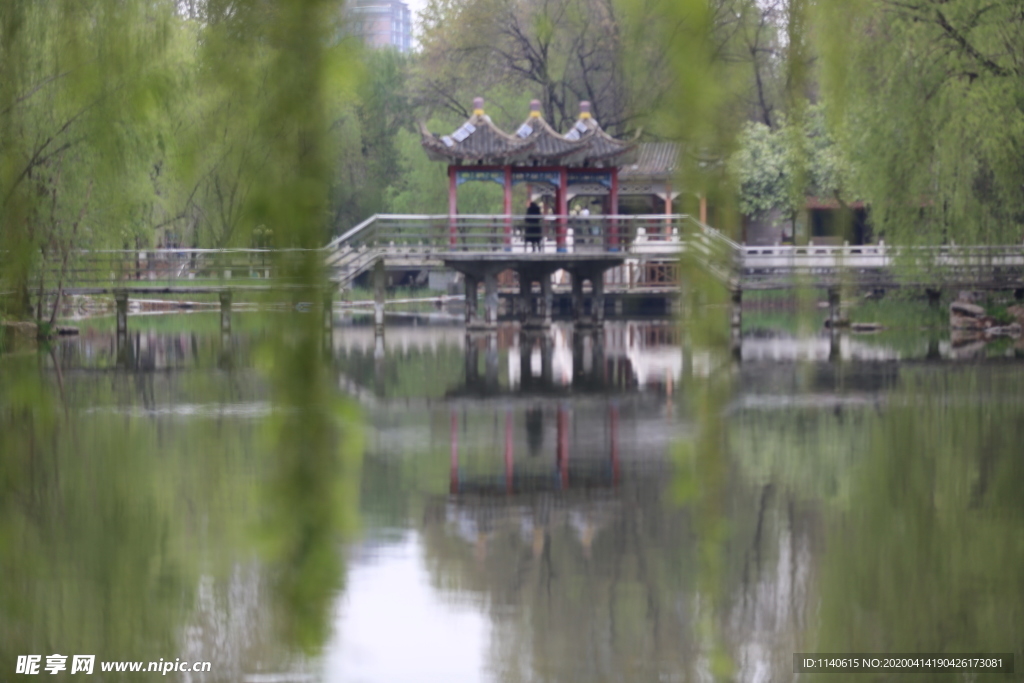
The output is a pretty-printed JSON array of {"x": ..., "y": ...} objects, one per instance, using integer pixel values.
[{"x": 561, "y": 507}]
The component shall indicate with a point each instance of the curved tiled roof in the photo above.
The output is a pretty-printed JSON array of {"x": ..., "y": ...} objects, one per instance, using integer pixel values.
[
  {"x": 479, "y": 141},
  {"x": 476, "y": 141},
  {"x": 551, "y": 146},
  {"x": 653, "y": 160},
  {"x": 601, "y": 149}
]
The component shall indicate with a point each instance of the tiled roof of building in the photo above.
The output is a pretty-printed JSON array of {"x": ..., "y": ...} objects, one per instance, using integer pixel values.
[
  {"x": 653, "y": 160},
  {"x": 479, "y": 141},
  {"x": 551, "y": 146}
]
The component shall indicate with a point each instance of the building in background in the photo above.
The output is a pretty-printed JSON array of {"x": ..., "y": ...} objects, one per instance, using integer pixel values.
[{"x": 383, "y": 23}]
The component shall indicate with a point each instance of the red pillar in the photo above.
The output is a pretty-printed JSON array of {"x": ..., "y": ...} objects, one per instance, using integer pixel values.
[
  {"x": 613, "y": 241},
  {"x": 563, "y": 207},
  {"x": 508, "y": 206},
  {"x": 452, "y": 205},
  {"x": 509, "y": 469},
  {"x": 453, "y": 484}
]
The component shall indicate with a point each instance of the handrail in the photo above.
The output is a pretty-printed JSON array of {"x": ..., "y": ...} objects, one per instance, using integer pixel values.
[{"x": 354, "y": 231}]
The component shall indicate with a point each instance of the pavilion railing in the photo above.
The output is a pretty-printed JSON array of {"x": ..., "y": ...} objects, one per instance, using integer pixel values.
[{"x": 435, "y": 234}]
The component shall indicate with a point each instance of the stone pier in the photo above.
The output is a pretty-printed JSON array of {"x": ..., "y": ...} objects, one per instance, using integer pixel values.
[{"x": 533, "y": 308}]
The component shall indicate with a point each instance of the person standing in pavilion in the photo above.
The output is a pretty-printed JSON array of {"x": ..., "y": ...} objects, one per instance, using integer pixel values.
[{"x": 533, "y": 227}]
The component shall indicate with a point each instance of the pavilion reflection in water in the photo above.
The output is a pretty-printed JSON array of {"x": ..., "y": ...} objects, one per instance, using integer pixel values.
[
  {"x": 624, "y": 356},
  {"x": 571, "y": 435}
]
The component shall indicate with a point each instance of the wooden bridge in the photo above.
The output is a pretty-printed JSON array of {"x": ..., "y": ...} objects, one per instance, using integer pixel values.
[
  {"x": 585, "y": 257},
  {"x": 592, "y": 256}
]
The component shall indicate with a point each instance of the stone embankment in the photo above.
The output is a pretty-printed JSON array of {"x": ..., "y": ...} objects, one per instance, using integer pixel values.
[{"x": 970, "y": 322}]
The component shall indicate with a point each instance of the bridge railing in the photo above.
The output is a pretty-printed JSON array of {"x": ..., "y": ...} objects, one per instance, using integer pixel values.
[
  {"x": 443, "y": 234},
  {"x": 172, "y": 268}
]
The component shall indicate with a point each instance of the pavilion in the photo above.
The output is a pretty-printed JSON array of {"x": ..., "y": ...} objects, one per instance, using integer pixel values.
[
  {"x": 585, "y": 160},
  {"x": 535, "y": 154}
]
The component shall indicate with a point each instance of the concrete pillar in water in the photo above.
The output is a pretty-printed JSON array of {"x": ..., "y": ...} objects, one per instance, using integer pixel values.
[
  {"x": 736, "y": 324},
  {"x": 524, "y": 304},
  {"x": 835, "y": 345},
  {"x": 123, "y": 350},
  {"x": 834, "y": 312},
  {"x": 225, "y": 311},
  {"x": 379, "y": 292},
  {"x": 597, "y": 360},
  {"x": 547, "y": 352},
  {"x": 577, "y": 297},
  {"x": 547, "y": 299},
  {"x": 327, "y": 310},
  {"x": 525, "y": 360},
  {"x": 578, "y": 374},
  {"x": 121, "y": 301},
  {"x": 491, "y": 299},
  {"x": 597, "y": 305},
  {"x": 472, "y": 283}
]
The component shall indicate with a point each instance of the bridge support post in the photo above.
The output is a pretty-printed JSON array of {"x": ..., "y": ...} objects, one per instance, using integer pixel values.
[
  {"x": 597, "y": 303},
  {"x": 327, "y": 310},
  {"x": 536, "y": 313},
  {"x": 525, "y": 360},
  {"x": 472, "y": 282},
  {"x": 597, "y": 360},
  {"x": 379, "y": 290},
  {"x": 834, "y": 312},
  {"x": 835, "y": 345},
  {"x": 225, "y": 311},
  {"x": 547, "y": 299},
  {"x": 736, "y": 324},
  {"x": 577, "y": 297},
  {"x": 491, "y": 299},
  {"x": 328, "y": 323},
  {"x": 547, "y": 348},
  {"x": 491, "y": 362},
  {"x": 121, "y": 302}
]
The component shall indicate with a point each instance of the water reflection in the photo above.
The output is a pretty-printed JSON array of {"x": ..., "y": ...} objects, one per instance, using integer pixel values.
[
  {"x": 528, "y": 507},
  {"x": 148, "y": 513}
]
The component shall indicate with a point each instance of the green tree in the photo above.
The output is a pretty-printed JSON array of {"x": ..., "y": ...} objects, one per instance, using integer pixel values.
[
  {"x": 931, "y": 96},
  {"x": 80, "y": 84}
]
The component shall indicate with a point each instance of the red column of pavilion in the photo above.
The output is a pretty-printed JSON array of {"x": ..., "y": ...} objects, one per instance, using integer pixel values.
[
  {"x": 613, "y": 242},
  {"x": 508, "y": 206},
  {"x": 453, "y": 205},
  {"x": 562, "y": 198}
]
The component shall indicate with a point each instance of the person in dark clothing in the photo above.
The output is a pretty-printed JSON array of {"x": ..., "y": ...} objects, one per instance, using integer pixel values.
[{"x": 533, "y": 231}]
